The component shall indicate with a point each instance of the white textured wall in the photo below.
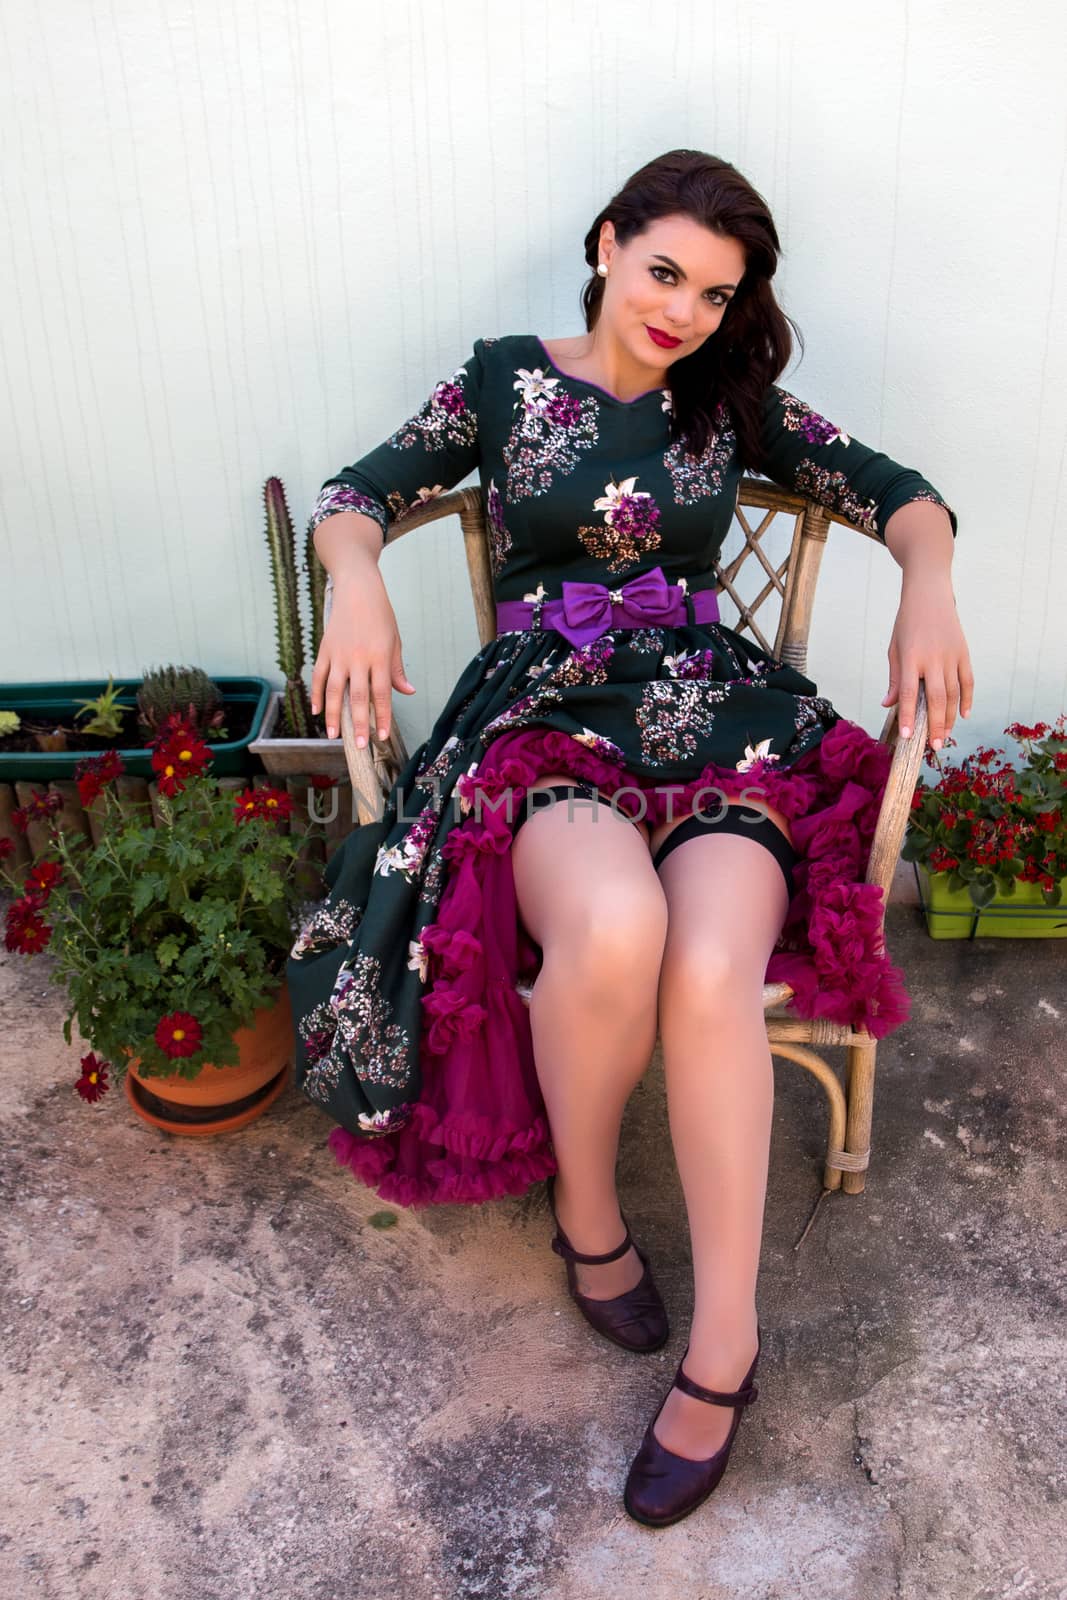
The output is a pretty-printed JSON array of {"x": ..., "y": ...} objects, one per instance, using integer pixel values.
[{"x": 245, "y": 239}]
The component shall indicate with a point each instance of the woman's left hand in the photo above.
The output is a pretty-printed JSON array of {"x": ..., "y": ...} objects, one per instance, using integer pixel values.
[{"x": 927, "y": 642}]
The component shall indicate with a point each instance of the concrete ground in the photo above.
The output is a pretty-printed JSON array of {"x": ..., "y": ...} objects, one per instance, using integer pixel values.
[{"x": 223, "y": 1378}]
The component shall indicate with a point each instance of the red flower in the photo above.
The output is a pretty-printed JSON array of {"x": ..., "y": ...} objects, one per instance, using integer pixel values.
[
  {"x": 42, "y": 879},
  {"x": 175, "y": 726},
  {"x": 179, "y": 756},
  {"x": 93, "y": 1081},
  {"x": 38, "y": 808},
  {"x": 246, "y": 805},
  {"x": 7, "y": 847},
  {"x": 274, "y": 804},
  {"x": 941, "y": 860},
  {"x": 94, "y": 772},
  {"x": 26, "y": 932},
  {"x": 319, "y": 780},
  {"x": 178, "y": 1034}
]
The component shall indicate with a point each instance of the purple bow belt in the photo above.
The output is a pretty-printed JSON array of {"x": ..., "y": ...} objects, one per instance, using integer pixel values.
[{"x": 589, "y": 609}]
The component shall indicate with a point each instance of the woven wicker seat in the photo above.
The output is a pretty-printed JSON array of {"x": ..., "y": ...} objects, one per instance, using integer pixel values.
[{"x": 849, "y": 1098}]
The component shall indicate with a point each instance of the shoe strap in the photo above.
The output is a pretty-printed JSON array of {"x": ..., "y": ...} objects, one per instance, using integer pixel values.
[
  {"x": 562, "y": 1246},
  {"x": 717, "y": 1397}
]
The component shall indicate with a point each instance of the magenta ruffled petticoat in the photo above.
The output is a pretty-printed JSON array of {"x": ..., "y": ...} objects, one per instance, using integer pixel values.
[{"x": 479, "y": 1129}]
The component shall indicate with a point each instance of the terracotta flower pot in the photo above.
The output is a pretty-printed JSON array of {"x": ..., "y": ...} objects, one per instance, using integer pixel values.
[{"x": 220, "y": 1099}]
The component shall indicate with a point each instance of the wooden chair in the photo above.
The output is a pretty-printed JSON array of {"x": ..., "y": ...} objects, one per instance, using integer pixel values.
[{"x": 850, "y": 1103}]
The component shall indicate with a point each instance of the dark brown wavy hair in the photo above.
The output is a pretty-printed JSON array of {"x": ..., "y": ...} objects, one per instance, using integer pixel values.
[{"x": 753, "y": 342}]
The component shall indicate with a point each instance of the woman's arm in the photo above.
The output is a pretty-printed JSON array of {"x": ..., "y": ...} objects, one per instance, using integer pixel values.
[
  {"x": 426, "y": 455},
  {"x": 927, "y": 640},
  {"x": 361, "y": 645},
  {"x": 806, "y": 453}
]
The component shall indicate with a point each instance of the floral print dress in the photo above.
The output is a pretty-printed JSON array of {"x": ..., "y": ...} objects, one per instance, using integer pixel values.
[{"x": 407, "y": 981}]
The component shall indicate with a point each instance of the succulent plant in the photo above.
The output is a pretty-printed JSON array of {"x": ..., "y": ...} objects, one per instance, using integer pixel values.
[
  {"x": 187, "y": 690},
  {"x": 104, "y": 712}
]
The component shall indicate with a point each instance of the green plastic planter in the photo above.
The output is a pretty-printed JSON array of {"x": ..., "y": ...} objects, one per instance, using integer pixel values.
[
  {"x": 36, "y": 700},
  {"x": 951, "y": 914}
]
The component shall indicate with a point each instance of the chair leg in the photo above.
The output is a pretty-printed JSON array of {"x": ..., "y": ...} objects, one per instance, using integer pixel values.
[{"x": 859, "y": 1093}]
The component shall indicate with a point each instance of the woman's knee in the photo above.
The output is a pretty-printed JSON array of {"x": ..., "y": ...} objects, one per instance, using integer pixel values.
[
  {"x": 703, "y": 971},
  {"x": 613, "y": 939}
]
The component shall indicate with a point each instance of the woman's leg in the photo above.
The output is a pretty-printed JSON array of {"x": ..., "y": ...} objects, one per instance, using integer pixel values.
[
  {"x": 727, "y": 900},
  {"x": 588, "y": 895}
]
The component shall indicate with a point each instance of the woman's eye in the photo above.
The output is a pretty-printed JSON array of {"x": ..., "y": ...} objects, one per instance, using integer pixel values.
[{"x": 717, "y": 299}]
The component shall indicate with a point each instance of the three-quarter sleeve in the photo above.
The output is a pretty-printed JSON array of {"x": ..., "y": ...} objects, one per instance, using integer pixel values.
[
  {"x": 805, "y": 453},
  {"x": 429, "y": 453}
]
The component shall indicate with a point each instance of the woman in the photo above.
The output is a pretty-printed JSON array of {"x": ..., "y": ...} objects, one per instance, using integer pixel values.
[{"x": 609, "y": 464}]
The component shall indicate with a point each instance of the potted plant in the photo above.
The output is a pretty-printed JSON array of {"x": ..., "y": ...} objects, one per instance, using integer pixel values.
[
  {"x": 292, "y": 741},
  {"x": 170, "y": 937},
  {"x": 46, "y": 729},
  {"x": 989, "y": 840}
]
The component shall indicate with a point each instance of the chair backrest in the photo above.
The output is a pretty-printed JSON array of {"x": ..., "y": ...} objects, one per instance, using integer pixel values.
[{"x": 792, "y": 579}]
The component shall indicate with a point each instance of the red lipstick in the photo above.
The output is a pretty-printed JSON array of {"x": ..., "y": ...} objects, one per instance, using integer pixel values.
[{"x": 664, "y": 340}]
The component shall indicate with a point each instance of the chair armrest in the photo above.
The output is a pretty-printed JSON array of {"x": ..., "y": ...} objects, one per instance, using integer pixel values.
[
  {"x": 900, "y": 786},
  {"x": 369, "y": 768}
]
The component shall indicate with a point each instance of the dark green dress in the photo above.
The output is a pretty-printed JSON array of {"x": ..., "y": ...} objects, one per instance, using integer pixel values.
[{"x": 407, "y": 981}]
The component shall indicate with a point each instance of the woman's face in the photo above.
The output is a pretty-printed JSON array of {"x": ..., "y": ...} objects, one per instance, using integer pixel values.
[{"x": 676, "y": 279}]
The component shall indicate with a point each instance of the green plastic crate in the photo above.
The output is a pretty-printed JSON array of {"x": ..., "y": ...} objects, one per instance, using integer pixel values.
[{"x": 951, "y": 914}]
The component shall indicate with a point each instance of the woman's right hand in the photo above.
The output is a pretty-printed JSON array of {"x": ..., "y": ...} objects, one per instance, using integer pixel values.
[{"x": 360, "y": 647}]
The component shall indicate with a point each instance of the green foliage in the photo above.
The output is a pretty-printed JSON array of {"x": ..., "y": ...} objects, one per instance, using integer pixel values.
[{"x": 195, "y": 915}]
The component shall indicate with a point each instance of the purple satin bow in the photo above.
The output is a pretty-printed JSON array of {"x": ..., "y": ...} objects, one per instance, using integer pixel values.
[{"x": 589, "y": 608}]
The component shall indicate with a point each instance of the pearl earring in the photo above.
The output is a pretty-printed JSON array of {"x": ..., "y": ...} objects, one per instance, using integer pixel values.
[{"x": 602, "y": 269}]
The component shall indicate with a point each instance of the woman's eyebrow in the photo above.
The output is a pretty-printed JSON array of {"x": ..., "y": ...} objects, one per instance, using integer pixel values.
[{"x": 676, "y": 268}]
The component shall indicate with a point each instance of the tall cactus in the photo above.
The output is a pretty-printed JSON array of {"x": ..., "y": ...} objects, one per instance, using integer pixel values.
[
  {"x": 317, "y": 577},
  {"x": 281, "y": 541}
]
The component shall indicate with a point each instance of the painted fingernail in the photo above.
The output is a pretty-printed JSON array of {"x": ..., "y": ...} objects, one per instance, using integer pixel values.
[
  {"x": 331, "y": 732},
  {"x": 905, "y": 733},
  {"x": 383, "y": 733},
  {"x": 360, "y": 741},
  {"x": 936, "y": 743}
]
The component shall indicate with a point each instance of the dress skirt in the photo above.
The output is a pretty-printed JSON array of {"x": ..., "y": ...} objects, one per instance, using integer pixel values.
[{"x": 407, "y": 981}]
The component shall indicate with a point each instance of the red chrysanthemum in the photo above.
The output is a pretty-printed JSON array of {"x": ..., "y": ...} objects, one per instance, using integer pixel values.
[
  {"x": 41, "y": 879},
  {"x": 246, "y": 805},
  {"x": 26, "y": 932},
  {"x": 94, "y": 772},
  {"x": 93, "y": 1081},
  {"x": 275, "y": 804},
  {"x": 179, "y": 755},
  {"x": 319, "y": 780},
  {"x": 178, "y": 1034},
  {"x": 39, "y": 807}
]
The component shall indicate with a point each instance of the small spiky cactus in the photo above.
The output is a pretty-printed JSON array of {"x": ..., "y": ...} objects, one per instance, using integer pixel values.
[
  {"x": 187, "y": 690},
  {"x": 281, "y": 541}
]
